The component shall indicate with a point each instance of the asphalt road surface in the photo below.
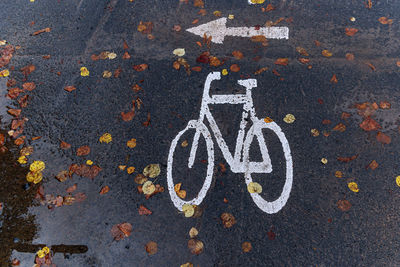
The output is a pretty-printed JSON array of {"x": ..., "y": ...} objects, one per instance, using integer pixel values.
[{"x": 332, "y": 87}]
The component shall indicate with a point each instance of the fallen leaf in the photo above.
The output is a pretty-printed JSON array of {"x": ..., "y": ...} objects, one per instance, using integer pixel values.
[
  {"x": 140, "y": 67},
  {"x": 62, "y": 176},
  {"x": 144, "y": 211},
  {"x": 254, "y": 187},
  {"x": 289, "y": 118},
  {"x": 353, "y": 186},
  {"x": 326, "y": 53},
  {"x": 19, "y": 141},
  {"x": 84, "y": 71},
  {"x": 282, "y": 61},
  {"x": 145, "y": 27},
  {"x": 398, "y": 181},
  {"x": 127, "y": 116},
  {"x": 347, "y": 159},
  {"x": 339, "y": 174},
  {"x": 198, "y": 3},
  {"x": 258, "y": 38},
  {"x": 193, "y": 232},
  {"x": 314, "y": 132},
  {"x": 148, "y": 188},
  {"x": 383, "y": 138},
  {"x": 334, "y": 79},
  {"x": 340, "y": 127},
  {"x": 14, "y": 112},
  {"x": 151, "y": 248},
  {"x": 107, "y": 74},
  {"x": 351, "y": 31},
  {"x": 104, "y": 190},
  {"x": 140, "y": 179},
  {"x": 29, "y": 86},
  {"x": 246, "y": 247},
  {"x": 373, "y": 165},
  {"x": 69, "y": 88},
  {"x": 195, "y": 246},
  {"x": 304, "y": 60},
  {"x": 180, "y": 52},
  {"x": 237, "y": 54},
  {"x": 324, "y": 161},
  {"x": 228, "y": 220},
  {"x": 72, "y": 188},
  {"x": 343, "y": 205},
  {"x": 41, "y": 31},
  {"x": 105, "y": 138},
  {"x": 234, "y": 68},
  {"x": 120, "y": 231},
  {"x": 64, "y": 145},
  {"x": 370, "y": 124},
  {"x": 302, "y": 51},
  {"x": 131, "y": 143},
  {"x": 384, "y": 105},
  {"x": 83, "y": 151},
  {"x": 385, "y": 20},
  {"x": 85, "y": 170},
  {"x": 152, "y": 170},
  {"x": 271, "y": 235},
  {"x": 126, "y": 55},
  {"x": 349, "y": 56}
]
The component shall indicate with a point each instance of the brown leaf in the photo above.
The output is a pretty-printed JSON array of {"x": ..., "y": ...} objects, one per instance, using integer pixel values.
[
  {"x": 258, "y": 38},
  {"x": 2, "y": 139},
  {"x": 79, "y": 197},
  {"x": 196, "y": 68},
  {"x": 125, "y": 45},
  {"x": 302, "y": 51},
  {"x": 385, "y": 20},
  {"x": 14, "y": 112},
  {"x": 347, "y": 159},
  {"x": 195, "y": 246},
  {"x": 282, "y": 61},
  {"x": 228, "y": 220},
  {"x": 151, "y": 248},
  {"x": 271, "y": 235},
  {"x": 64, "y": 145},
  {"x": 340, "y": 127},
  {"x": 351, "y": 31},
  {"x": 144, "y": 211},
  {"x": 370, "y": 124},
  {"x": 372, "y": 67},
  {"x": 198, "y": 3},
  {"x": 235, "y": 68},
  {"x": 120, "y": 231},
  {"x": 23, "y": 101},
  {"x": 72, "y": 188},
  {"x": 349, "y": 56},
  {"x": 13, "y": 93},
  {"x": 128, "y": 116},
  {"x": 334, "y": 79},
  {"x": 145, "y": 27},
  {"x": 203, "y": 58},
  {"x": 237, "y": 54},
  {"x": 104, "y": 190},
  {"x": 117, "y": 72},
  {"x": 85, "y": 170},
  {"x": 373, "y": 165},
  {"x": 384, "y": 105},
  {"x": 69, "y": 88},
  {"x": 325, "y": 122},
  {"x": 345, "y": 115},
  {"x": 95, "y": 57},
  {"x": 304, "y": 60},
  {"x": 343, "y": 205},
  {"x": 140, "y": 67},
  {"x": 28, "y": 70},
  {"x": 62, "y": 176},
  {"x": 29, "y": 86},
  {"x": 83, "y": 151},
  {"x": 246, "y": 247},
  {"x": 383, "y": 138},
  {"x": 19, "y": 141},
  {"x": 126, "y": 55},
  {"x": 41, "y": 31}
]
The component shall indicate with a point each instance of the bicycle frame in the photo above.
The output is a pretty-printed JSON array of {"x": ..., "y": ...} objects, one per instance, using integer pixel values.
[{"x": 235, "y": 161}]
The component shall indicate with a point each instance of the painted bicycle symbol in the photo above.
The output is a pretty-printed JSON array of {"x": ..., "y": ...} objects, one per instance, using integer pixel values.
[{"x": 239, "y": 162}]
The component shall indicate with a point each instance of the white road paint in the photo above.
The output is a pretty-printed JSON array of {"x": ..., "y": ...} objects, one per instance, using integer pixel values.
[
  {"x": 242, "y": 147},
  {"x": 218, "y": 30}
]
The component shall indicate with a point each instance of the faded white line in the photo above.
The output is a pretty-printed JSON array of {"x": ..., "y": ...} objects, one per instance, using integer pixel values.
[{"x": 218, "y": 30}]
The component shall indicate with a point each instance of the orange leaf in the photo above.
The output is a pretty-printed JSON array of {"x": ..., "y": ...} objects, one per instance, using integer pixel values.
[
  {"x": 64, "y": 145},
  {"x": 144, "y": 211},
  {"x": 140, "y": 67},
  {"x": 373, "y": 165},
  {"x": 334, "y": 79},
  {"x": 383, "y": 138},
  {"x": 29, "y": 86},
  {"x": 347, "y": 159},
  {"x": 41, "y": 31},
  {"x": 104, "y": 190},
  {"x": 282, "y": 61},
  {"x": 69, "y": 88},
  {"x": 120, "y": 231},
  {"x": 370, "y": 124},
  {"x": 14, "y": 112},
  {"x": 351, "y": 31},
  {"x": 235, "y": 68},
  {"x": 83, "y": 151},
  {"x": 128, "y": 116},
  {"x": 237, "y": 54}
]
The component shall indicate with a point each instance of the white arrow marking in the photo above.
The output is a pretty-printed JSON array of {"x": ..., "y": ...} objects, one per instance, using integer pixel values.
[{"x": 218, "y": 30}]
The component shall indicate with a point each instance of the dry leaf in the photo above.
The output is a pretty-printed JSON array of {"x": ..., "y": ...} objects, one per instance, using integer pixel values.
[
  {"x": 373, "y": 165},
  {"x": 340, "y": 127},
  {"x": 246, "y": 247},
  {"x": 104, "y": 190},
  {"x": 349, "y": 56},
  {"x": 282, "y": 61},
  {"x": 228, "y": 220},
  {"x": 140, "y": 67},
  {"x": 144, "y": 211},
  {"x": 343, "y": 205},
  {"x": 383, "y": 138},
  {"x": 370, "y": 124},
  {"x": 326, "y": 53},
  {"x": 195, "y": 246},
  {"x": 83, "y": 151},
  {"x": 237, "y": 54},
  {"x": 334, "y": 79},
  {"x": 351, "y": 31},
  {"x": 72, "y": 188},
  {"x": 151, "y": 248},
  {"x": 193, "y": 232},
  {"x": 41, "y": 31},
  {"x": 120, "y": 231},
  {"x": 64, "y": 145},
  {"x": 29, "y": 86},
  {"x": 385, "y": 20},
  {"x": 347, "y": 159},
  {"x": 234, "y": 68},
  {"x": 152, "y": 170},
  {"x": 69, "y": 88}
]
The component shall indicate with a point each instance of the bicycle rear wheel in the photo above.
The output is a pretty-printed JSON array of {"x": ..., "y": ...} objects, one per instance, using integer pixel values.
[
  {"x": 277, "y": 204},
  {"x": 202, "y": 129}
]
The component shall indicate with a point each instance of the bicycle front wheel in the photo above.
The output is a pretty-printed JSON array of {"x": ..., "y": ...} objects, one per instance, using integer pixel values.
[
  {"x": 256, "y": 130},
  {"x": 202, "y": 130}
]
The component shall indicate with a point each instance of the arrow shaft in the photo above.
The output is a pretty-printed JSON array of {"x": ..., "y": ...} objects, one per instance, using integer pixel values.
[{"x": 268, "y": 32}]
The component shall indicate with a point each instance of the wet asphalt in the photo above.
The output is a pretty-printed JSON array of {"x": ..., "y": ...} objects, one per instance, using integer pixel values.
[{"x": 310, "y": 230}]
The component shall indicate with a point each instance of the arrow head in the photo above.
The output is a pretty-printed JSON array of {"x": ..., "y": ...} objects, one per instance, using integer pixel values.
[{"x": 215, "y": 28}]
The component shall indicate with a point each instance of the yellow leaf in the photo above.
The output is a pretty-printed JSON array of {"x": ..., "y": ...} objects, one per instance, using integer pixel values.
[
  {"x": 185, "y": 143},
  {"x": 177, "y": 187},
  {"x": 3, "y": 42},
  {"x": 105, "y": 138},
  {"x": 324, "y": 160},
  {"x": 148, "y": 188},
  {"x": 84, "y": 71},
  {"x": 34, "y": 177},
  {"x": 41, "y": 253},
  {"x": 257, "y": 1},
  {"x": 188, "y": 210},
  {"x": 326, "y": 53},
  {"x": 339, "y": 174},
  {"x": 289, "y": 118},
  {"x": 230, "y": 16},
  {"x": 181, "y": 194},
  {"x": 131, "y": 143},
  {"x": 353, "y": 187},
  {"x": 130, "y": 170},
  {"x": 314, "y": 132},
  {"x": 37, "y": 166},
  {"x": 89, "y": 162},
  {"x": 398, "y": 180},
  {"x": 217, "y": 13},
  {"x": 152, "y": 170},
  {"x": 224, "y": 72},
  {"x": 46, "y": 250},
  {"x": 22, "y": 160},
  {"x": 254, "y": 187},
  {"x": 4, "y": 73}
]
